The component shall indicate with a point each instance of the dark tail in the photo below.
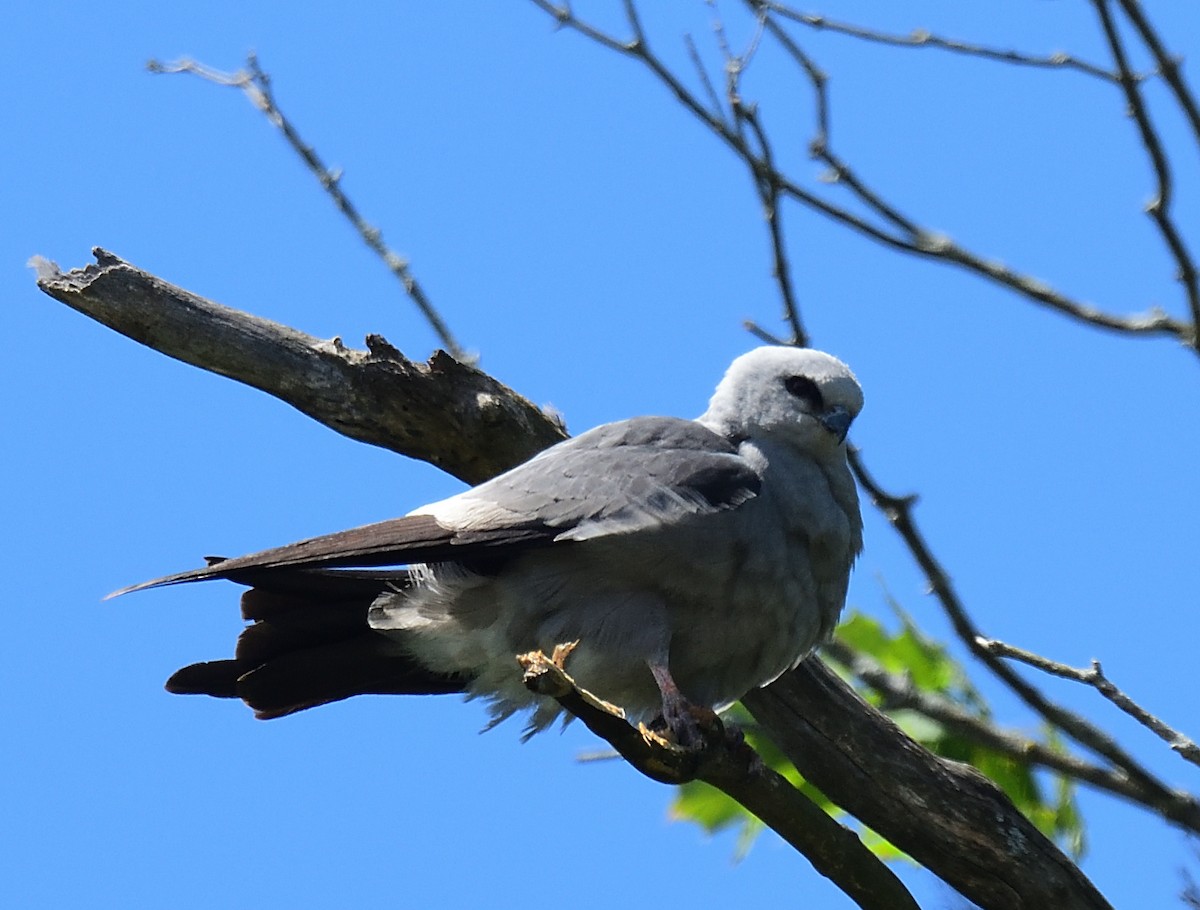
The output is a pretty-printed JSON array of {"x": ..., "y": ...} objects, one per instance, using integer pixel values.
[{"x": 309, "y": 644}]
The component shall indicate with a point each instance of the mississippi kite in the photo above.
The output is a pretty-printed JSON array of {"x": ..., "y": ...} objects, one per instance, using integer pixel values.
[{"x": 692, "y": 560}]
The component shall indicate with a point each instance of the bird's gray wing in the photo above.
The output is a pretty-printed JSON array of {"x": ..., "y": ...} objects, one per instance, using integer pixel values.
[{"x": 618, "y": 478}]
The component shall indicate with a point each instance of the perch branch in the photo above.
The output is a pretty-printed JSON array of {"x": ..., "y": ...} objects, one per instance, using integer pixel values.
[{"x": 736, "y": 770}]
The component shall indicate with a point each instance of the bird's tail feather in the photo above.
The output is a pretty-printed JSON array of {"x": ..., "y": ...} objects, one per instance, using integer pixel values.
[{"x": 309, "y": 644}]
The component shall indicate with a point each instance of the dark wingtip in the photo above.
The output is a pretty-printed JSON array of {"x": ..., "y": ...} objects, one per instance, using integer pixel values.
[
  {"x": 209, "y": 571},
  {"x": 144, "y": 585},
  {"x": 121, "y": 592}
]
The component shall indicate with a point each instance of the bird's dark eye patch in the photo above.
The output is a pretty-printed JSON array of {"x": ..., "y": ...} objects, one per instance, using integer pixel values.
[{"x": 806, "y": 390}]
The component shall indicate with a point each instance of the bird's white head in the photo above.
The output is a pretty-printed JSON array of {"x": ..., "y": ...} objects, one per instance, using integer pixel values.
[{"x": 799, "y": 394}]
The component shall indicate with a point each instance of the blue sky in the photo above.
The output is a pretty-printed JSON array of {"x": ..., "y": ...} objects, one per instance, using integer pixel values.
[{"x": 599, "y": 251}]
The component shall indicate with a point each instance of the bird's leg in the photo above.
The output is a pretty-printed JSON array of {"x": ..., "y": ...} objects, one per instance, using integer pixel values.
[{"x": 681, "y": 717}]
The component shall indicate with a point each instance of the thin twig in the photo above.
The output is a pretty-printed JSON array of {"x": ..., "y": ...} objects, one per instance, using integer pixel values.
[
  {"x": 816, "y": 76},
  {"x": 1158, "y": 208},
  {"x": 255, "y": 84},
  {"x": 761, "y": 334},
  {"x": 922, "y": 38},
  {"x": 1168, "y": 65},
  {"x": 769, "y": 194},
  {"x": 709, "y": 89},
  {"x": 898, "y": 691},
  {"x": 1094, "y": 677},
  {"x": 764, "y": 176}
]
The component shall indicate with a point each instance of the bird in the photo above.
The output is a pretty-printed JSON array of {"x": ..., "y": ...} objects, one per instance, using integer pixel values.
[{"x": 687, "y": 561}]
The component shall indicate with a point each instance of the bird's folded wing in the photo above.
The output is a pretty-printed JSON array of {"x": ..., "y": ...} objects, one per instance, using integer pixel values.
[
  {"x": 397, "y": 541},
  {"x": 617, "y": 479}
]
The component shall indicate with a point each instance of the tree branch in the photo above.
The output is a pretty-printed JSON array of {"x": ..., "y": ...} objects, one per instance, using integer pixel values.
[
  {"x": 1094, "y": 677},
  {"x": 945, "y": 815},
  {"x": 897, "y": 691},
  {"x": 1168, "y": 65},
  {"x": 255, "y": 84},
  {"x": 447, "y": 413},
  {"x": 769, "y": 196},
  {"x": 736, "y": 770},
  {"x": 919, "y": 38},
  {"x": 1159, "y": 208}
]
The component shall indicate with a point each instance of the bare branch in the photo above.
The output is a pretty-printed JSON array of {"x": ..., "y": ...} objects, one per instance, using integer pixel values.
[
  {"x": 1190, "y": 896},
  {"x": 1158, "y": 208},
  {"x": 760, "y": 333},
  {"x": 1180, "y": 807},
  {"x": 764, "y": 177},
  {"x": 735, "y": 769},
  {"x": 815, "y": 74},
  {"x": 904, "y": 233},
  {"x": 769, "y": 194},
  {"x": 709, "y": 89},
  {"x": 1094, "y": 677},
  {"x": 445, "y": 412},
  {"x": 255, "y": 84},
  {"x": 731, "y": 132},
  {"x": 1168, "y": 65},
  {"x": 912, "y": 238},
  {"x": 922, "y": 38},
  {"x": 898, "y": 691},
  {"x": 564, "y": 18}
]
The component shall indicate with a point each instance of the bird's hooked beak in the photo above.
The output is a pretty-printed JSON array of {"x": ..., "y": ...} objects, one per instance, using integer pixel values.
[{"x": 837, "y": 421}]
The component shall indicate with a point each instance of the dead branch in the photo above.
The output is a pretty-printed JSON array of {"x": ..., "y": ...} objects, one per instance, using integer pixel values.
[{"x": 447, "y": 413}]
